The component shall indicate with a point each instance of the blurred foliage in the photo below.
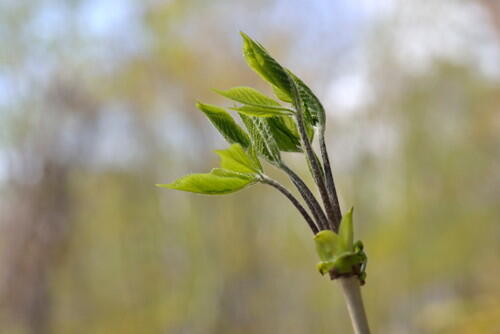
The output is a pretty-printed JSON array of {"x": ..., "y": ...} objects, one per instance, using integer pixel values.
[{"x": 97, "y": 98}]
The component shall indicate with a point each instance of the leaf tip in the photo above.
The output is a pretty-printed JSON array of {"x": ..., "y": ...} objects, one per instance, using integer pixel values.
[
  {"x": 199, "y": 105},
  {"x": 220, "y": 153},
  {"x": 351, "y": 211},
  {"x": 245, "y": 36},
  {"x": 248, "y": 44}
]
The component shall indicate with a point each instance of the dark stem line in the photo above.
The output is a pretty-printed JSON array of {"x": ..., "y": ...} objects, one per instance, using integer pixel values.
[
  {"x": 318, "y": 178},
  {"x": 308, "y": 197},
  {"x": 294, "y": 201},
  {"x": 330, "y": 183}
]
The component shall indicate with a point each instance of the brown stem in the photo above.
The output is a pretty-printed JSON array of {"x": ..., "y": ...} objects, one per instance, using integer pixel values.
[
  {"x": 330, "y": 183},
  {"x": 306, "y": 145},
  {"x": 308, "y": 196}
]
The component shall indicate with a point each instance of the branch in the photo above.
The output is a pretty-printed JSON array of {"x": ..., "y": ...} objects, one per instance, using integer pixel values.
[
  {"x": 308, "y": 196},
  {"x": 330, "y": 183},
  {"x": 295, "y": 202},
  {"x": 352, "y": 294},
  {"x": 315, "y": 167}
]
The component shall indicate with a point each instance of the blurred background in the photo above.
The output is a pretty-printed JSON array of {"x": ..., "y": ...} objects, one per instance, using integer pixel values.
[{"x": 97, "y": 106}]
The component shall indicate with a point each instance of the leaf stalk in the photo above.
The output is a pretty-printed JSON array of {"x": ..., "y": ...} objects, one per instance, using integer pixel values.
[
  {"x": 330, "y": 183},
  {"x": 315, "y": 167},
  {"x": 307, "y": 195}
]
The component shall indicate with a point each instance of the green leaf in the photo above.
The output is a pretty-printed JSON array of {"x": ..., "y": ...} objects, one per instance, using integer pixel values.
[
  {"x": 262, "y": 138},
  {"x": 291, "y": 126},
  {"x": 292, "y": 131},
  {"x": 345, "y": 261},
  {"x": 313, "y": 110},
  {"x": 328, "y": 245},
  {"x": 282, "y": 95},
  {"x": 209, "y": 184},
  {"x": 346, "y": 230},
  {"x": 226, "y": 125},
  {"x": 282, "y": 81},
  {"x": 285, "y": 133},
  {"x": 248, "y": 95},
  {"x": 236, "y": 159},
  {"x": 266, "y": 66},
  {"x": 232, "y": 173},
  {"x": 325, "y": 266},
  {"x": 263, "y": 111}
]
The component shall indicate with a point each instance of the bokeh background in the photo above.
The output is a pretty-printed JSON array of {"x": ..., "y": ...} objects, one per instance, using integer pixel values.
[{"x": 97, "y": 105}]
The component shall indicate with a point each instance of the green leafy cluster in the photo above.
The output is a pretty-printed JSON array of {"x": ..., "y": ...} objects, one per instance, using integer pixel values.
[
  {"x": 338, "y": 254},
  {"x": 270, "y": 126},
  {"x": 287, "y": 123},
  {"x": 238, "y": 170}
]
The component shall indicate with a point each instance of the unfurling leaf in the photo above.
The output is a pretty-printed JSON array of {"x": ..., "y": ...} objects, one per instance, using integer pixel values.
[
  {"x": 226, "y": 125},
  {"x": 337, "y": 252},
  {"x": 285, "y": 133},
  {"x": 282, "y": 95},
  {"x": 262, "y": 138},
  {"x": 248, "y": 95},
  {"x": 263, "y": 111},
  {"x": 346, "y": 230},
  {"x": 266, "y": 66},
  {"x": 209, "y": 184},
  {"x": 236, "y": 159},
  {"x": 239, "y": 169},
  {"x": 232, "y": 173},
  {"x": 299, "y": 101},
  {"x": 328, "y": 245},
  {"x": 335, "y": 255},
  {"x": 313, "y": 109},
  {"x": 282, "y": 81}
]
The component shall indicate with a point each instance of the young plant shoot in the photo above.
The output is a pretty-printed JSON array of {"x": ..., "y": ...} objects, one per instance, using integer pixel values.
[{"x": 288, "y": 125}]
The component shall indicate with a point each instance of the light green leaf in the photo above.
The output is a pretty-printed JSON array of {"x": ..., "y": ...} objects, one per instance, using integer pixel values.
[
  {"x": 282, "y": 81},
  {"x": 262, "y": 138},
  {"x": 345, "y": 261},
  {"x": 313, "y": 110},
  {"x": 266, "y": 66},
  {"x": 290, "y": 122},
  {"x": 346, "y": 230},
  {"x": 263, "y": 111},
  {"x": 209, "y": 184},
  {"x": 282, "y": 95},
  {"x": 325, "y": 266},
  {"x": 231, "y": 173},
  {"x": 236, "y": 159},
  {"x": 285, "y": 133},
  {"x": 328, "y": 245},
  {"x": 248, "y": 95},
  {"x": 226, "y": 125},
  {"x": 291, "y": 131},
  {"x": 291, "y": 126}
]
